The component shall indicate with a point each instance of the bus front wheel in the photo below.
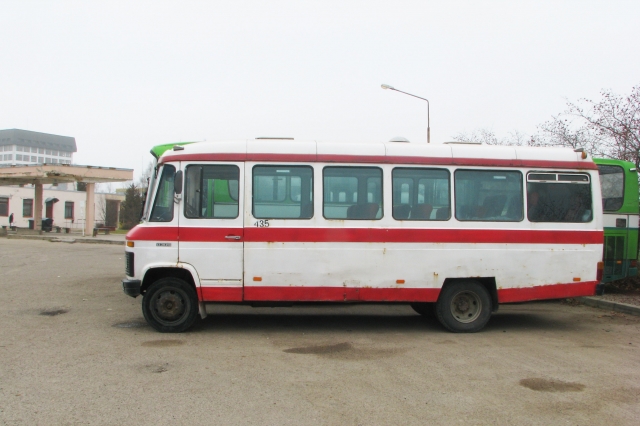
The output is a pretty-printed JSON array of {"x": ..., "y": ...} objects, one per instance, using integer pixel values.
[
  {"x": 170, "y": 305},
  {"x": 464, "y": 307}
]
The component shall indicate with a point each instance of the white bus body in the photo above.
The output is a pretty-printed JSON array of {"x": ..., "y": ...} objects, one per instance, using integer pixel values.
[{"x": 451, "y": 228}]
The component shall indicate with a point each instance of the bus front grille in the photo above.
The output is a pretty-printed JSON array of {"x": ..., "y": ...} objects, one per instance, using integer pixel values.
[{"x": 128, "y": 269}]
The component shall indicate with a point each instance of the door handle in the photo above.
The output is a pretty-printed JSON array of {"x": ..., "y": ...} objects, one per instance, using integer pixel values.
[{"x": 233, "y": 237}]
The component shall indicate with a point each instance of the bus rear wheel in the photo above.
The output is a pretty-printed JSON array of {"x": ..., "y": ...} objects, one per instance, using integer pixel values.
[
  {"x": 464, "y": 307},
  {"x": 170, "y": 305}
]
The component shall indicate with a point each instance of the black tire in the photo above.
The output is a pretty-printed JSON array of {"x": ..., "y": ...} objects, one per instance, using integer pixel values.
[
  {"x": 464, "y": 307},
  {"x": 425, "y": 309},
  {"x": 170, "y": 305}
]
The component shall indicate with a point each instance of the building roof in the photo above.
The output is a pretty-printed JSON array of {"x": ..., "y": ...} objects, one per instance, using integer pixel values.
[
  {"x": 37, "y": 140},
  {"x": 61, "y": 173}
]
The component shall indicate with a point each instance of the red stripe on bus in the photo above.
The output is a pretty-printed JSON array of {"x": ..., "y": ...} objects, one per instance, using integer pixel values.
[
  {"x": 340, "y": 294},
  {"x": 153, "y": 233},
  {"x": 382, "y": 159},
  {"x": 210, "y": 234},
  {"x": 404, "y": 235},
  {"x": 221, "y": 294},
  {"x": 554, "y": 291},
  {"x": 370, "y": 294},
  {"x": 366, "y": 235}
]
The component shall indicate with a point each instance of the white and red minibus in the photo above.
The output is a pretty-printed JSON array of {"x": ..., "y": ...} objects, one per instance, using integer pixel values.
[{"x": 452, "y": 229}]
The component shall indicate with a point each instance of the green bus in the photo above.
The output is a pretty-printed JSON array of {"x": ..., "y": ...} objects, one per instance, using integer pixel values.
[{"x": 619, "y": 184}]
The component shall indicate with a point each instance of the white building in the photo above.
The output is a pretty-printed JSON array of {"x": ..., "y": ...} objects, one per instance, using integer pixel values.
[
  {"x": 18, "y": 147},
  {"x": 66, "y": 208},
  {"x": 36, "y": 165}
]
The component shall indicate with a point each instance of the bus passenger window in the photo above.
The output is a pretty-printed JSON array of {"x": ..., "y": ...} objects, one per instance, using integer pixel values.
[
  {"x": 163, "y": 204},
  {"x": 282, "y": 192},
  {"x": 211, "y": 192},
  {"x": 559, "y": 197},
  {"x": 420, "y": 194},
  {"x": 489, "y": 195},
  {"x": 352, "y": 193}
]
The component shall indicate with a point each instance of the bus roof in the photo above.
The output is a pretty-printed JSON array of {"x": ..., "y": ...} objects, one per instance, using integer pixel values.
[
  {"x": 613, "y": 162},
  {"x": 281, "y": 150}
]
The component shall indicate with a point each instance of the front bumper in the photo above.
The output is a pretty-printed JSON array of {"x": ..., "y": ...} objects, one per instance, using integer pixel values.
[{"x": 131, "y": 287}]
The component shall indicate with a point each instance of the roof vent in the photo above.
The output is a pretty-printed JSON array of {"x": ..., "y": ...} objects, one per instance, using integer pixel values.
[
  {"x": 275, "y": 138},
  {"x": 178, "y": 148},
  {"x": 399, "y": 139}
]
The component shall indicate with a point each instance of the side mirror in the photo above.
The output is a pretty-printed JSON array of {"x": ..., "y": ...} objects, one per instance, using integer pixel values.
[{"x": 177, "y": 182}]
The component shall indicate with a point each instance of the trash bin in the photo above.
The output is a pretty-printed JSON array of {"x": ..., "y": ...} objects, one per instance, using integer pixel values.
[
  {"x": 31, "y": 224},
  {"x": 47, "y": 224}
]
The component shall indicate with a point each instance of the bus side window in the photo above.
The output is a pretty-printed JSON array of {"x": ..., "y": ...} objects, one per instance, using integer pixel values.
[
  {"x": 559, "y": 197},
  {"x": 211, "y": 192},
  {"x": 420, "y": 194},
  {"x": 162, "y": 210},
  {"x": 353, "y": 193},
  {"x": 489, "y": 195},
  {"x": 282, "y": 192}
]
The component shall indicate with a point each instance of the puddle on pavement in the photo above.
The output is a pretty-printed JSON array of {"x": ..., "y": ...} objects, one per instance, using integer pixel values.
[
  {"x": 162, "y": 343},
  {"x": 130, "y": 324},
  {"x": 344, "y": 351},
  {"x": 545, "y": 385},
  {"x": 321, "y": 350},
  {"x": 53, "y": 312},
  {"x": 155, "y": 368}
]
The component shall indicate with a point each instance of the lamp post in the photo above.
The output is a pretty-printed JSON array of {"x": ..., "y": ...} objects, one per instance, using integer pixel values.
[{"x": 386, "y": 86}]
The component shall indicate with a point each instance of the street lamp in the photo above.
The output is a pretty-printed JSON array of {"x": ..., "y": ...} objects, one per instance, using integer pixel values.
[{"x": 386, "y": 86}]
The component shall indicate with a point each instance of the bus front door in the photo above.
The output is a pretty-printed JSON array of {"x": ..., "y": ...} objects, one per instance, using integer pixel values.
[{"x": 211, "y": 228}]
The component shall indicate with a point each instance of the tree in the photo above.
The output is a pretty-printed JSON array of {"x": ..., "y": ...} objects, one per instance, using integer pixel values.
[
  {"x": 131, "y": 207},
  {"x": 143, "y": 182},
  {"x": 609, "y": 127},
  {"x": 488, "y": 137}
]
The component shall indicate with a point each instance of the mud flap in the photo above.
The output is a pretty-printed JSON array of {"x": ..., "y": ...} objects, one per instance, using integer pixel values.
[{"x": 203, "y": 310}]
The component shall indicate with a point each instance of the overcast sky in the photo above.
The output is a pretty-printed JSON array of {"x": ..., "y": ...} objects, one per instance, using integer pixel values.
[{"x": 121, "y": 77}]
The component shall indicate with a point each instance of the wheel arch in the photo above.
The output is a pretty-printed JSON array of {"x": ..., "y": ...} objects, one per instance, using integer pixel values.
[{"x": 182, "y": 271}]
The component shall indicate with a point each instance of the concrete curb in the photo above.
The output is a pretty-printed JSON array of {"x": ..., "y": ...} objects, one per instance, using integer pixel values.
[
  {"x": 609, "y": 305},
  {"x": 70, "y": 240}
]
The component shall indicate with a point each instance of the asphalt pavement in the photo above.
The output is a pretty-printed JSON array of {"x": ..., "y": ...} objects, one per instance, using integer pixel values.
[{"x": 75, "y": 350}]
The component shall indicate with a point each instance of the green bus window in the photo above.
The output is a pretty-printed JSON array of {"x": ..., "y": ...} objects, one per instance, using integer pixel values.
[
  {"x": 162, "y": 210},
  {"x": 612, "y": 186},
  {"x": 211, "y": 192},
  {"x": 282, "y": 192}
]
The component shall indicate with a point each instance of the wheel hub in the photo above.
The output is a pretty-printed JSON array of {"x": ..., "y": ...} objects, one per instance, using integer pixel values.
[
  {"x": 169, "y": 305},
  {"x": 466, "y": 306}
]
